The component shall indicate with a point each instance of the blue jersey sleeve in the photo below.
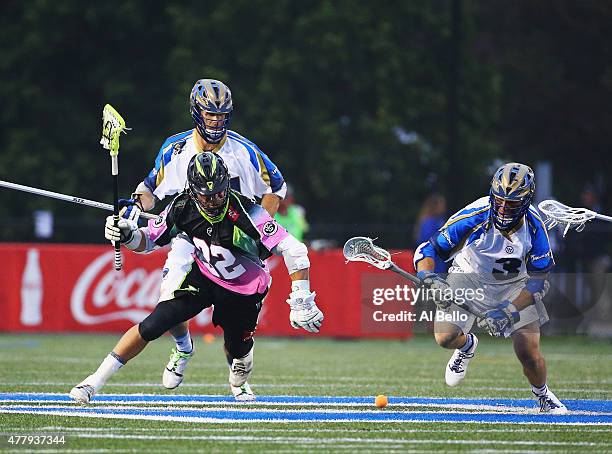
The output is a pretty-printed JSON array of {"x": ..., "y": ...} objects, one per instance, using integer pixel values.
[
  {"x": 540, "y": 258},
  {"x": 452, "y": 236}
]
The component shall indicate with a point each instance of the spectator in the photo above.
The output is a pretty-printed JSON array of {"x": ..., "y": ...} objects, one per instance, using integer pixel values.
[
  {"x": 292, "y": 216},
  {"x": 430, "y": 219}
]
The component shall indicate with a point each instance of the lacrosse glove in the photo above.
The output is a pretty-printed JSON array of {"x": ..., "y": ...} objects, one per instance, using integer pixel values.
[
  {"x": 304, "y": 311},
  {"x": 500, "y": 321},
  {"x": 431, "y": 280}
]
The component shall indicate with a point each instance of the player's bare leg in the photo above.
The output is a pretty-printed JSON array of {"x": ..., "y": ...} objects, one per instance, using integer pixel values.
[
  {"x": 129, "y": 346},
  {"x": 526, "y": 343},
  {"x": 450, "y": 336}
]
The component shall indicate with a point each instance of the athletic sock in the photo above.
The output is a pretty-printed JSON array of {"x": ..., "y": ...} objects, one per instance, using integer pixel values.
[
  {"x": 183, "y": 343},
  {"x": 111, "y": 364},
  {"x": 539, "y": 390},
  {"x": 469, "y": 343}
]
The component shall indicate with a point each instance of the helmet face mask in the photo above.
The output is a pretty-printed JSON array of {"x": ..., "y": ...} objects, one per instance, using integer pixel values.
[
  {"x": 512, "y": 190},
  {"x": 211, "y": 109},
  {"x": 208, "y": 185}
]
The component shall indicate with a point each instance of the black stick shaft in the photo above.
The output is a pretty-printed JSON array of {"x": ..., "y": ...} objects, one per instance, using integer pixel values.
[
  {"x": 412, "y": 278},
  {"x": 118, "y": 264}
]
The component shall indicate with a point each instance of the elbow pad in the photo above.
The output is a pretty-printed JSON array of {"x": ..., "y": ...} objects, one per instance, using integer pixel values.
[{"x": 295, "y": 254}]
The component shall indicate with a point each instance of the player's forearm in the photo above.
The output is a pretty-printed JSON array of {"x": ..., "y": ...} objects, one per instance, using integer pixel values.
[
  {"x": 144, "y": 197},
  {"x": 426, "y": 264},
  {"x": 300, "y": 275},
  {"x": 524, "y": 299},
  {"x": 270, "y": 203}
]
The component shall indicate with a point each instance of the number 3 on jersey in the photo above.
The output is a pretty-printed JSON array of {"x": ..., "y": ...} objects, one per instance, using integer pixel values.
[
  {"x": 219, "y": 260},
  {"x": 510, "y": 268}
]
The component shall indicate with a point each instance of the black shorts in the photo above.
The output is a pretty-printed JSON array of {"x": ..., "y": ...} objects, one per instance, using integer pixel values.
[{"x": 232, "y": 311}]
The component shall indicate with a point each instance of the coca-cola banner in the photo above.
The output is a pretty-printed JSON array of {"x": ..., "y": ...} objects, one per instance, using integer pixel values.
[{"x": 59, "y": 288}]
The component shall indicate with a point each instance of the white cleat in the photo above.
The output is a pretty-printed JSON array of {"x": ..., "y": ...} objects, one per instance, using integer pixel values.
[
  {"x": 457, "y": 365},
  {"x": 175, "y": 369},
  {"x": 240, "y": 370},
  {"x": 550, "y": 404},
  {"x": 243, "y": 393},
  {"x": 83, "y": 392}
]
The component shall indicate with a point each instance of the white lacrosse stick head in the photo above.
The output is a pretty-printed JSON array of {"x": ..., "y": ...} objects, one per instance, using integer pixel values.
[
  {"x": 362, "y": 249},
  {"x": 558, "y": 213}
]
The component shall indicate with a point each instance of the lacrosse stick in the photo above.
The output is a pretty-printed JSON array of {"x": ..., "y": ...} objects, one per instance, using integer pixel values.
[
  {"x": 112, "y": 126},
  {"x": 65, "y": 197},
  {"x": 362, "y": 249},
  {"x": 572, "y": 218}
]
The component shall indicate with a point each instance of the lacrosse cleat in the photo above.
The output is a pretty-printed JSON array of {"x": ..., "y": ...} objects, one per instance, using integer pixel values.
[
  {"x": 241, "y": 369},
  {"x": 549, "y": 403},
  {"x": 457, "y": 365},
  {"x": 242, "y": 393},
  {"x": 84, "y": 391},
  {"x": 175, "y": 369}
]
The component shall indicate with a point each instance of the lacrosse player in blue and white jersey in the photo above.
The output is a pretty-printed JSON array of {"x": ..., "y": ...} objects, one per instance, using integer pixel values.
[
  {"x": 252, "y": 174},
  {"x": 500, "y": 250}
]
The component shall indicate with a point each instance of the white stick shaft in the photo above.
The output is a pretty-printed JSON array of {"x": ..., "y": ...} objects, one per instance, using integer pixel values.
[
  {"x": 603, "y": 217},
  {"x": 114, "y": 165},
  {"x": 64, "y": 197}
]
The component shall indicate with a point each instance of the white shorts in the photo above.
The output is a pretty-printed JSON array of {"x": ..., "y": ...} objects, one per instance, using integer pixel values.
[
  {"x": 178, "y": 264},
  {"x": 492, "y": 295}
]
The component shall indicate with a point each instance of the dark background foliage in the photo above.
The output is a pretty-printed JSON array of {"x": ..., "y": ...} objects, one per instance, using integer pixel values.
[{"x": 366, "y": 107}]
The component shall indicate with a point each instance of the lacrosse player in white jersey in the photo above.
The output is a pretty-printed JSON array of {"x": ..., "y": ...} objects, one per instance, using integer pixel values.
[
  {"x": 252, "y": 174},
  {"x": 500, "y": 250}
]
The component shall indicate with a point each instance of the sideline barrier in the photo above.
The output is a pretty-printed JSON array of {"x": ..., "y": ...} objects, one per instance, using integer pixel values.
[{"x": 74, "y": 288}]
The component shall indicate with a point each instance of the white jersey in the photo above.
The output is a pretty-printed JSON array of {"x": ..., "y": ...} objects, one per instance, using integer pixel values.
[
  {"x": 252, "y": 173},
  {"x": 494, "y": 256}
]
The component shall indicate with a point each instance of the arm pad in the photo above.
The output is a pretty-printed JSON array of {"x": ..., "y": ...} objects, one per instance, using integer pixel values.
[{"x": 295, "y": 254}]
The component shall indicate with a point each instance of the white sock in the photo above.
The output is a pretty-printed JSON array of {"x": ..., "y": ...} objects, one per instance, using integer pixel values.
[
  {"x": 111, "y": 364},
  {"x": 183, "y": 343},
  {"x": 539, "y": 391},
  {"x": 469, "y": 342}
]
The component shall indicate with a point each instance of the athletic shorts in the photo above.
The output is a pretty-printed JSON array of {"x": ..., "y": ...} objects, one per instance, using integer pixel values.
[{"x": 492, "y": 295}]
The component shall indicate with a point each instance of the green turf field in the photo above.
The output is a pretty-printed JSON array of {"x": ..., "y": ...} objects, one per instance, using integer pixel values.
[{"x": 579, "y": 369}]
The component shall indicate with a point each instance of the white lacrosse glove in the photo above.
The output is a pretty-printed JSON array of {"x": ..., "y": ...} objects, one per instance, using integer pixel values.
[
  {"x": 123, "y": 232},
  {"x": 304, "y": 311},
  {"x": 434, "y": 282}
]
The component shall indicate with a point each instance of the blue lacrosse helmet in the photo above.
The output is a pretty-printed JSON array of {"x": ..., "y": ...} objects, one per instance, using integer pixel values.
[
  {"x": 512, "y": 190},
  {"x": 213, "y": 97}
]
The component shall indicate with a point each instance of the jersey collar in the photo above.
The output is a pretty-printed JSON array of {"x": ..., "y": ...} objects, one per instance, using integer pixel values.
[{"x": 198, "y": 142}]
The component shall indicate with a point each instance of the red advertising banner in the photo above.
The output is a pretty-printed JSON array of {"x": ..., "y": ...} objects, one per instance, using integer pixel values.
[{"x": 69, "y": 288}]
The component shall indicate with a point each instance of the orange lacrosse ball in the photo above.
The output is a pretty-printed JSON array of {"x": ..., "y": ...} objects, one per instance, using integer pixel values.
[{"x": 381, "y": 401}]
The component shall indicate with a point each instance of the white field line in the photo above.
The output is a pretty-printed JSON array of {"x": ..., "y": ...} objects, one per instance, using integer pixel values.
[
  {"x": 214, "y": 406},
  {"x": 315, "y": 440},
  {"x": 213, "y": 420},
  {"x": 297, "y": 385},
  {"x": 221, "y": 408},
  {"x": 61, "y": 429},
  {"x": 154, "y": 404}
]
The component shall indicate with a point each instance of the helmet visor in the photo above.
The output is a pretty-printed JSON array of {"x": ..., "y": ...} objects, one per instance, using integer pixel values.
[
  {"x": 215, "y": 124},
  {"x": 506, "y": 211},
  {"x": 212, "y": 204}
]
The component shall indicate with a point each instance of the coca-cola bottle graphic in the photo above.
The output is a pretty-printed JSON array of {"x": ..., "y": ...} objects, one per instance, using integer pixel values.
[{"x": 31, "y": 290}]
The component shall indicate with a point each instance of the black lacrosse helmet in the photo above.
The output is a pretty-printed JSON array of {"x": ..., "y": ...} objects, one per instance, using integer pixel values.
[{"x": 208, "y": 185}]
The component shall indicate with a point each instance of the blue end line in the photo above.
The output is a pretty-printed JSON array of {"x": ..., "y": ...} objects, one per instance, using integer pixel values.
[{"x": 273, "y": 416}]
